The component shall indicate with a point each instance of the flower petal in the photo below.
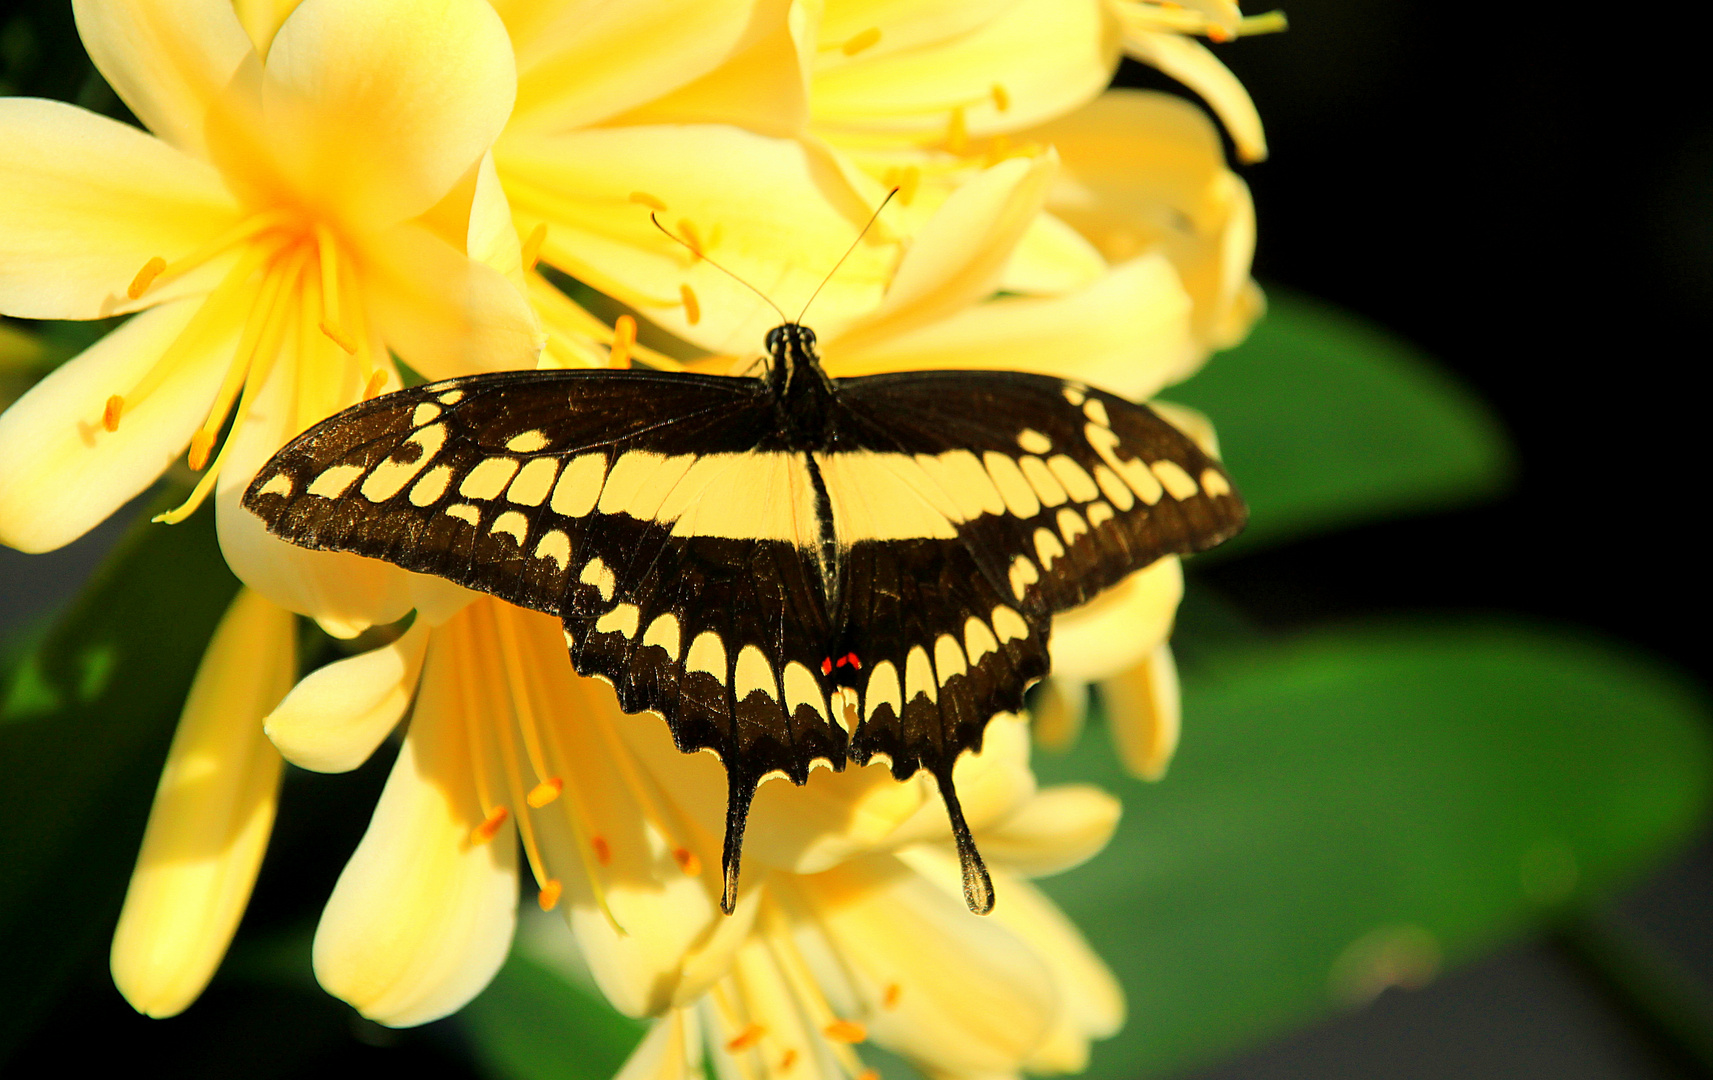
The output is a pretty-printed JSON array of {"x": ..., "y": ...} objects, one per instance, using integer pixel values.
[
  {"x": 1146, "y": 171},
  {"x": 781, "y": 236},
  {"x": 1116, "y": 629},
  {"x": 212, "y": 815},
  {"x": 1191, "y": 63},
  {"x": 972, "y": 996},
  {"x": 903, "y": 25},
  {"x": 379, "y": 107},
  {"x": 1144, "y": 714},
  {"x": 89, "y": 201},
  {"x": 581, "y": 62},
  {"x": 1129, "y": 332},
  {"x": 345, "y": 593},
  {"x": 1061, "y": 827},
  {"x": 336, "y": 715},
  {"x": 1048, "y": 57},
  {"x": 61, "y": 471},
  {"x": 168, "y": 60},
  {"x": 443, "y": 312},
  {"x": 763, "y": 87},
  {"x": 672, "y": 1050},
  {"x": 958, "y": 256},
  {"x": 422, "y": 917}
]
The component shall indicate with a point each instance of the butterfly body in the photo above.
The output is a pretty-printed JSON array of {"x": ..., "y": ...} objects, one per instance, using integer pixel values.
[{"x": 791, "y": 569}]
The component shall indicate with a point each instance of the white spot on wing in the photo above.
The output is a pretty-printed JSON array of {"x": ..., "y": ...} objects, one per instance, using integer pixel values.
[
  {"x": 1071, "y": 525},
  {"x": 918, "y": 676},
  {"x": 1023, "y": 575},
  {"x": 948, "y": 658},
  {"x": 1041, "y": 478},
  {"x": 1009, "y": 625},
  {"x": 1214, "y": 483},
  {"x": 432, "y": 486},
  {"x": 451, "y": 397},
  {"x": 1178, "y": 483},
  {"x": 426, "y": 413},
  {"x": 1076, "y": 480},
  {"x": 1047, "y": 547},
  {"x": 278, "y": 484},
  {"x": 877, "y": 496},
  {"x": 556, "y": 546},
  {"x": 1114, "y": 488},
  {"x": 1100, "y": 513},
  {"x": 802, "y": 689},
  {"x": 1074, "y": 393},
  {"x": 464, "y": 512},
  {"x": 1095, "y": 410},
  {"x": 959, "y": 474},
  {"x": 1008, "y": 478},
  {"x": 978, "y": 639}
]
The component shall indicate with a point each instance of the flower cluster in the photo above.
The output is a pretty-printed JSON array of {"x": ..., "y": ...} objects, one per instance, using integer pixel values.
[{"x": 333, "y": 187}]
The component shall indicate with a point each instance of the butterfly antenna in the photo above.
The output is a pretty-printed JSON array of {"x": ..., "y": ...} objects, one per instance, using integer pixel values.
[
  {"x": 872, "y": 219},
  {"x": 692, "y": 249}
]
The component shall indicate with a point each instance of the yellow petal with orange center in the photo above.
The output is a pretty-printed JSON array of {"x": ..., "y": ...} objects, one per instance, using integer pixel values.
[
  {"x": 422, "y": 917},
  {"x": 212, "y": 815},
  {"x": 375, "y": 109},
  {"x": 88, "y": 202}
]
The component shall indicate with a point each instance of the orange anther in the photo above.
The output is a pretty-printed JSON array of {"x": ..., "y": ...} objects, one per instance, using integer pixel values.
[
  {"x": 1001, "y": 99},
  {"x": 545, "y": 792},
  {"x": 645, "y": 199},
  {"x": 603, "y": 850},
  {"x": 845, "y": 1031},
  {"x": 692, "y": 238},
  {"x": 549, "y": 895},
  {"x": 869, "y": 1074},
  {"x": 893, "y": 993},
  {"x": 786, "y": 1060},
  {"x": 373, "y": 386},
  {"x": 338, "y": 335},
  {"x": 856, "y": 43},
  {"x": 484, "y": 832},
  {"x": 692, "y": 309},
  {"x": 1218, "y": 35},
  {"x": 201, "y": 445},
  {"x": 746, "y": 1038},
  {"x": 145, "y": 277},
  {"x": 624, "y": 336},
  {"x": 531, "y": 252},
  {"x": 687, "y": 861},
  {"x": 112, "y": 412}
]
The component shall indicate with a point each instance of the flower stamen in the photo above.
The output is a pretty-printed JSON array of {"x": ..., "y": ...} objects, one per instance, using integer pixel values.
[
  {"x": 692, "y": 308},
  {"x": 748, "y": 1037},
  {"x": 157, "y": 271},
  {"x": 643, "y": 198},
  {"x": 145, "y": 277},
  {"x": 484, "y": 832},
  {"x": 110, "y": 415},
  {"x": 372, "y": 388},
  {"x": 692, "y": 238},
  {"x": 531, "y": 251},
  {"x": 856, "y": 43},
  {"x": 545, "y": 792},
  {"x": 548, "y": 896},
  {"x": 957, "y": 132},
  {"x": 687, "y": 861},
  {"x": 624, "y": 336},
  {"x": 201, "y": 446},
  {"x": 1001, "y": 99},
  {"x": 845, "y": 1031}
]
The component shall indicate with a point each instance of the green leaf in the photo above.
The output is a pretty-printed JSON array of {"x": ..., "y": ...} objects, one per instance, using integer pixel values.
[
  {"x": 1326, "y": 420},
  {"x": 86, "y": 714},
  {"x": 1362, "y": 807},
  {"x": 533, "y": 1023}
]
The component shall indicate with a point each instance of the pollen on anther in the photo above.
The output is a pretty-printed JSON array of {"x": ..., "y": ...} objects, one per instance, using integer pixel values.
[
  {"x": 893, "y": 993},
  {"x": 531, "y": 251},
  {"x": 548, "y": 897},
  {"x": 545, "y": 792},
  {"x": 845, "y": 1031},
  {"x": 688, "y": 862},
  {"x": 603, "y": 850},
  {"x": 1001, "y": 99},
  {"x": 692, "y": 309},
  {"x": 484, "y": 832},
  {"x": 856, "y": 43},
  {"x": 112, "y": 412},
  {"x": 201, "y": 445},
  {"x": 624, "y": 336},
  {"x": 145, "y": 277},
  {"x": 373, "y": 387},
  {"x": 337, "y": 334},
  {"x": 746, "y": 1038},
  {"x": 787, "y": 1059},
  {"x": 645, "y": 199}
]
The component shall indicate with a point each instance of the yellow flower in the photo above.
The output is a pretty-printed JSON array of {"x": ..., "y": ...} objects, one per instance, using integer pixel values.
[
  {"x": 618, "y": 828},
  {"x": 310, "y": 201},
  {"x": 880, "y": 948}
]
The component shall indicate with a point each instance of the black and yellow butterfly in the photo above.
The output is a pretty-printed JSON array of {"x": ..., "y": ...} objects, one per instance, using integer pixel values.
[{"x": 789, "y": 568}]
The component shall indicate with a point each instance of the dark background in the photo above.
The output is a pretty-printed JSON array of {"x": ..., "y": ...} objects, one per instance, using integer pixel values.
[{"x": 1526, "y": 193}]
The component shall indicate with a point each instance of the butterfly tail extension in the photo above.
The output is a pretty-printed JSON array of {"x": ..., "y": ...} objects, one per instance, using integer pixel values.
[
  {"x": 740, "y": 792},
  {"x": 978, "y": 885}
]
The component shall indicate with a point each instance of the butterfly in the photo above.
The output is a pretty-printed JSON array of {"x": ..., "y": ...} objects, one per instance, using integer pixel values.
[{"x": 789, "y": 568}]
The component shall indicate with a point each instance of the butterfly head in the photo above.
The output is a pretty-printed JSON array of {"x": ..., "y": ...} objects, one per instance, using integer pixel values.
[{"x": 790, "y": 338}]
